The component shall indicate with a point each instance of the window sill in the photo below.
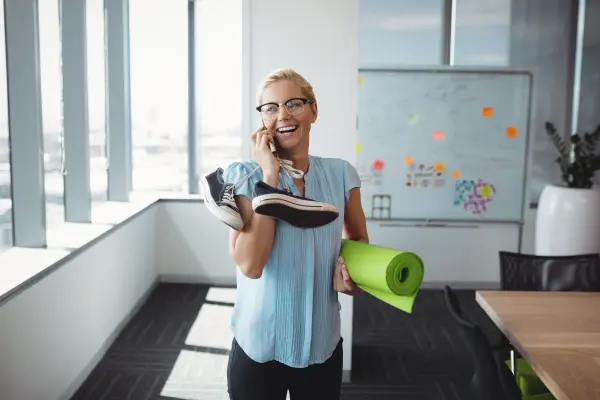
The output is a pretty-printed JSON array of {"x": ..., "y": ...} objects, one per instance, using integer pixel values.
[{"x": 21, "y": 267}]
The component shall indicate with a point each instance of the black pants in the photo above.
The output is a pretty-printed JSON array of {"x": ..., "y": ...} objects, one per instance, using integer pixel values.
[{"x": 249, "y": 380}]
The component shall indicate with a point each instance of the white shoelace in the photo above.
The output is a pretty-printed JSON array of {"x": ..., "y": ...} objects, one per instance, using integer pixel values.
[{"x": 286, "y": 166}]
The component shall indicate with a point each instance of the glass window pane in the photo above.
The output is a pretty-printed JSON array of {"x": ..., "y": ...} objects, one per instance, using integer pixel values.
[
  {"x": 393, "y": 32},
  {"x": 219, "y": 83},
  {"x": 5, "y": 199},
  {"x": 482, "y": 32},
  {"x": 96, "y": 80},
  {"x": 52, "y": 116},
  {"x": 159, "y": 79}
]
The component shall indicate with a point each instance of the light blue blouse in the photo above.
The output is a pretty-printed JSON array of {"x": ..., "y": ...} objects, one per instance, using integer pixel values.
[{"x": 291, "y": 314}]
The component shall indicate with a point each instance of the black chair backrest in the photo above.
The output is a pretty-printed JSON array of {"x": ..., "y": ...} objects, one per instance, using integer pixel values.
[
  {"x": 491, "y": 379},
  {"x": 579, "y": 273}
]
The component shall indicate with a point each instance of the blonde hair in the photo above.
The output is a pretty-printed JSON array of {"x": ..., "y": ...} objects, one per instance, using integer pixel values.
[{"x": 285, "y": 74}]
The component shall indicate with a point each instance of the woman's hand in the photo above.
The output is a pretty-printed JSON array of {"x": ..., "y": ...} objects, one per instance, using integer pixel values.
[
  {"x": 341, "y": 279},
  {"x": 262, "y": 140}
]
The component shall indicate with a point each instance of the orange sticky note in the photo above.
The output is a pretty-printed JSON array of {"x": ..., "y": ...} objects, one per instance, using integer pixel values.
[
  {"x": 488, "y": 112},
  {"x": 439, "y": 167},
  {"x": 438, "y": 135},
  {"x": 408, "y": 160},
  {"x": 455, "y": 175},
  {"x": 511, "y": 132}
]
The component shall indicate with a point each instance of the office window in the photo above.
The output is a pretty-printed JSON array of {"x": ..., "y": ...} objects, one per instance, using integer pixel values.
[
  {"x": 159, "y": 81},
  {"x": 482, "y": 32},
  {"x": 5, "y": 194},
  {"x": 96, "y": 64},
  {"x": 218, "y": 83},
  {"x": 393, "y": 32},
  {"x": 52, "y": 112}
]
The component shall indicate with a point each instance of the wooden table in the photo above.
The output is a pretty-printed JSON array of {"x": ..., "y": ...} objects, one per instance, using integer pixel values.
[{"x": 557, "y": 332}]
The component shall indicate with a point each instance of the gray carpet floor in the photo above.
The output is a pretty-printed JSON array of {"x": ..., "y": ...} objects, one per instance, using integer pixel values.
[{"x": 176, "y": 347}]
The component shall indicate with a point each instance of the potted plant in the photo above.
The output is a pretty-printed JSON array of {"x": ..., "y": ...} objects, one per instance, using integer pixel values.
[{"x": 568, "y": 215}]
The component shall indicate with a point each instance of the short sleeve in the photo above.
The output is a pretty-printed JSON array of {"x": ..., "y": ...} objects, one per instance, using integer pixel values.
[
  {"x": 239, "y": 174},
  {"x": 351, "y": 179}
]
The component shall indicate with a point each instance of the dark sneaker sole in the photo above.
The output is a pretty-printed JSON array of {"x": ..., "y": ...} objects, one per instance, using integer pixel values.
[
  {"x": 297, "y": 212},
  {"x": 228, "y": 216}
]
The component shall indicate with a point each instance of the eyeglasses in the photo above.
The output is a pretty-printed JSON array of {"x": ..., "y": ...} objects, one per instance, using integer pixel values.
[{"x": 270, "y": 111}]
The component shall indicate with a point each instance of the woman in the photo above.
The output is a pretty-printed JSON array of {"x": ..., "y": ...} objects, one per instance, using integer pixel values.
[{"x": 286, "y": 321}]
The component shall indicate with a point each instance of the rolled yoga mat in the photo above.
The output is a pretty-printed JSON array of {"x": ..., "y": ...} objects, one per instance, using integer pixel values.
[{"x": 392, "y": 276}]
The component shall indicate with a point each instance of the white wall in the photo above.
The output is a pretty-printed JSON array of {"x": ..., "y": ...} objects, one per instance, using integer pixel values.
[
  {"x": 318, "y": 39},
  {"x": 51, "y": 333},
  {"x": 192, "y": 245}
]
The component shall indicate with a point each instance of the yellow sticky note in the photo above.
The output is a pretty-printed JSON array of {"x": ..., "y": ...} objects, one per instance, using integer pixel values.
[
  {"x": 439, "y": 167},
  {"x": 486, "y": 191},
  {"x": 488, "y": 112},
  {"x": 455, "y": 175},
  {"x": 408, "y": 160},
  {"x": 511, "y": 132},
  {"x": 358, "y": 147},
  {"x": 438, "y": 135},
  {"x": 360, "y": 80}
]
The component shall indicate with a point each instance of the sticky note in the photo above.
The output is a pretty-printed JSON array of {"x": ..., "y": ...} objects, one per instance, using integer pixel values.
[
  {"x": 439, "y": 167},
  {"x": 378, "y": 165},
  {"x": 488, "y": 112},
  {"x": 413, "y": 119},
  {"x": 358, "y": 147},
  {"x": 360, "y": 80},
  {"x": 486, "y": 191},
  {"x": 438, "y": 135},
  {"x": 408, "y": 160},
  {"x": 455, "y": 175},
  {"x": 511, "y": 132}
]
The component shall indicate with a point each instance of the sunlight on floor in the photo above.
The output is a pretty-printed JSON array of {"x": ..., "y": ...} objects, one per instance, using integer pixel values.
[
  {"x": 221, "y": 295},
  {"x": 212, "y": 327},
  {"x": 198, "y": 376}
]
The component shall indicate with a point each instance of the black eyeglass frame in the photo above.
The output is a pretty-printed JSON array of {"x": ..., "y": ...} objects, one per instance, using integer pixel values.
[{"x": 303, "y": 99}]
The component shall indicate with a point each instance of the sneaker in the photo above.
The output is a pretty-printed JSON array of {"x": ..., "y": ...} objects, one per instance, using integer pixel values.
[
  {"x": 219, "y": 199},
  {"x": 295, "y": 210}
]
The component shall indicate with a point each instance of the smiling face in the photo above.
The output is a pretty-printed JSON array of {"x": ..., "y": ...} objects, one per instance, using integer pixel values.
[{"x": 288, "y": 112}]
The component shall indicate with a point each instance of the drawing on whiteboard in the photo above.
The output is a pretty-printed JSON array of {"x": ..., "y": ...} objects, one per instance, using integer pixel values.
[
  {"x": 474, "y": 196},
  {"x": 425, "y": 176},
  {"x": 381, "y": 206},
  {"x": 365, "y": 175}
]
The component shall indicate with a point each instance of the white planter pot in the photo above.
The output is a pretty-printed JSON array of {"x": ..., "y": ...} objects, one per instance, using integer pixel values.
[{"x": 567, "y": 221}]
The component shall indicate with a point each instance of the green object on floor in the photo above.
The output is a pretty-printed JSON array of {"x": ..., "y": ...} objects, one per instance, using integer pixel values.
[
  {"x": 392, "y": 276},
  {"x": 527, "y": 380}
]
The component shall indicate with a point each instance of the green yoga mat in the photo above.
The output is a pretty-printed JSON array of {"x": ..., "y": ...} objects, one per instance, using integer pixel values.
[{"x": 392, "y": 276}]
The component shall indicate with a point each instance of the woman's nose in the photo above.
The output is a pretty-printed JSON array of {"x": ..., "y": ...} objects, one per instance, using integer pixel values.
[{"x": 282, "y": 114}]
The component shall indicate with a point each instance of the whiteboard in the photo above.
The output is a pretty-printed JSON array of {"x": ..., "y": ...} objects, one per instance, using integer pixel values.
[{"x": 443, "y": 144}]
